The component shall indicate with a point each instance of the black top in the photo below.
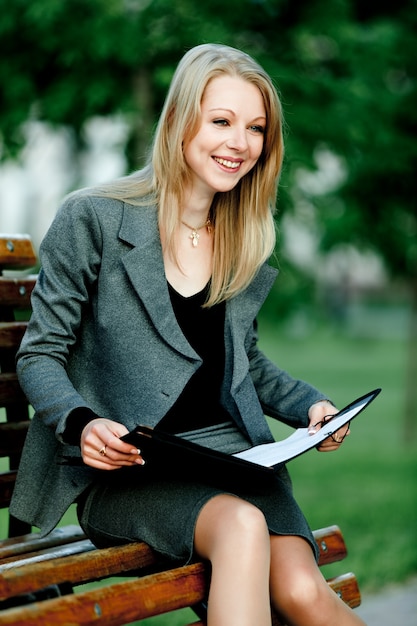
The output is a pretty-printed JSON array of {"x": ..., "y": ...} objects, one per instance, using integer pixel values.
[{"x": 198, "y": 405}]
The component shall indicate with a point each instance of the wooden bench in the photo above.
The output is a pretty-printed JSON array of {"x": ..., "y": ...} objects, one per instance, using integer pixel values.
[{"x": 32, "y": 568}]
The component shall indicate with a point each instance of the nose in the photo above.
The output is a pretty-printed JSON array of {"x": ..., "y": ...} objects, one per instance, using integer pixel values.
[{"x": 237, "y": 139}]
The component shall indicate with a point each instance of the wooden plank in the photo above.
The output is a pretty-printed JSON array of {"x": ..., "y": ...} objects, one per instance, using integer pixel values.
[
  {"x": 7, "y": 482},
  {"x": 10, "y": 390},
  {"x": 119, "y": 603},
  {"x": 331, "y": 544},
  {"x": 32, "y": 542},
  {"x": 347, "y": 588},
  {"x": 12, "y": 437},
  {"x": 16, "y": 252},
  {"x": 33, "y": 570},
  {"x": 75, "y": 568},
  {"x": 36, "y": 559},
  {"x": 16, "y": 292},
  {"x": 11, "y": 334},
  {"x": 155, "y": 594}
]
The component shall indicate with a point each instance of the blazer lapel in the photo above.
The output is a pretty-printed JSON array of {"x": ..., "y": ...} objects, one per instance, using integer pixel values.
[{"x": 145, "y": 268}]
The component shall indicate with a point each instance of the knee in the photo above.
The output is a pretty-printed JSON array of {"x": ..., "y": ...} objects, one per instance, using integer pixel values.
[
  {"x": 247, "y": 522},
  {"x": 228, "y": 521},
  {"x": 299, "y": 593}
]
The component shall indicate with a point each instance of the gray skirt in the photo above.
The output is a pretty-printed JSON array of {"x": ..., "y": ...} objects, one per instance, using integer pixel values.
[{"x": 133, "y": 505}]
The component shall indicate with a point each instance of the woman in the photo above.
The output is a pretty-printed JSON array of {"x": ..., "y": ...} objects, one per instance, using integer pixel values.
[{"x": 144, "y": 312}]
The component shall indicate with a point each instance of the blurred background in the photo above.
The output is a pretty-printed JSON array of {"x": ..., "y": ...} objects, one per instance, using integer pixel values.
[{"x": 82, "y": 84}]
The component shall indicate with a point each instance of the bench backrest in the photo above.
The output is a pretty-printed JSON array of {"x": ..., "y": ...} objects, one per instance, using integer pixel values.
[{"x": 17, "y": 255}]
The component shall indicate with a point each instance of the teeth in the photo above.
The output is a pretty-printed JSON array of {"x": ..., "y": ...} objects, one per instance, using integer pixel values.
[{"x": 232, "y": 164}]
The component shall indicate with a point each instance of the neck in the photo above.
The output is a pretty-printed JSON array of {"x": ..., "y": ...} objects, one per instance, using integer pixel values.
[{"x": 196, "y": 208}]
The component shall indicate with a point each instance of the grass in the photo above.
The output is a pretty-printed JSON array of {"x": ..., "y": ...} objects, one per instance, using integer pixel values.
[{"x": 369, "y": 487}]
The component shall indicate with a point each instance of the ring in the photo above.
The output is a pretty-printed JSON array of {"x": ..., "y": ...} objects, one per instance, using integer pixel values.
[{"x": 102, "y": 451}]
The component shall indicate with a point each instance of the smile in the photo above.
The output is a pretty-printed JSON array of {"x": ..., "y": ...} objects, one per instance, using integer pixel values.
[{"x": 233, "y": 165}]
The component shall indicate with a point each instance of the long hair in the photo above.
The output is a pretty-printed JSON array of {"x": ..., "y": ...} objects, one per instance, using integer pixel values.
[{"x": 244, "y": 228}]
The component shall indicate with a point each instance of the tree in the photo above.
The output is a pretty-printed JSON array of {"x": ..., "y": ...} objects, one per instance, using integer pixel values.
[{"x": 346, "y": 70}]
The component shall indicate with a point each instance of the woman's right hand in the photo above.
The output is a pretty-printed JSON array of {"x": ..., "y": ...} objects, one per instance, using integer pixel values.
[{"x": 102, "y": 448}]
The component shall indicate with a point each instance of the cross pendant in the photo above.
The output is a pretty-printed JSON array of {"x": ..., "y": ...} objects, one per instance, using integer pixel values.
[{"x": 194, "y": 238}]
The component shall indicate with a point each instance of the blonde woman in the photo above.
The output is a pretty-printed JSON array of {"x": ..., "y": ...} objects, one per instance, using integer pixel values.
[{"x": 144, "y": 312}]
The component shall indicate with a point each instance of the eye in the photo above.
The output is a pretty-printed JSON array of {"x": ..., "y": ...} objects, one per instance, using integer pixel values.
[
  {"x": 257, "y": 128},
  {"x": 220, "y": 122}
]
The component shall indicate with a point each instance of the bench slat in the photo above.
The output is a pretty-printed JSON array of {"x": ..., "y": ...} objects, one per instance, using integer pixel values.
[
  {"x": 35, "y": 559},
  {"x": 11, "y": 334},
  {"x": 37, "y": 569},
  {"x": 350, "y": 594},
  {"x": 331, "y": 544},
  {"x": 16, "y": 292},
  {"x": 34, "y": 541},
  {"x": 7, "y": 481},
  {"x": 10, "y": 390},
  {"x": 154, "y": 594},
  {"x": 16, "y": 252},
  {"x": 346, "y": 586},
  {"x": 12, "y": 437},
  {"x": 17, "y": 578},
  {"x": 112, "y": 605}
]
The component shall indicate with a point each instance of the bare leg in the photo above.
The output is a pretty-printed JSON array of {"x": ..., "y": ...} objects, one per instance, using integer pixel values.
[
  {"x": 299, "y": 592},
  {"x": 232, "y": 534}
]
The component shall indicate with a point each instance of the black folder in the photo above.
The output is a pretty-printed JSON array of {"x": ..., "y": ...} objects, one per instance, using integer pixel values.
[{"x": 168, "y": 455}]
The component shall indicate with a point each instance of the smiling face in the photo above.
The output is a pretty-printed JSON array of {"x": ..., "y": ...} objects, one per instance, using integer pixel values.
[{"x": 230, "y": 138}]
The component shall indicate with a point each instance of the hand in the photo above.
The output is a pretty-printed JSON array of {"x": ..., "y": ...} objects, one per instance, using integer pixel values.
[
  {"x": 102, "y": 448},
  {"x": 318, "y": 414}
]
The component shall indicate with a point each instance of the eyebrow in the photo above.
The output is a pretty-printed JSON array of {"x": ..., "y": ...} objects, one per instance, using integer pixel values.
[{"x": 259, "y": 117}]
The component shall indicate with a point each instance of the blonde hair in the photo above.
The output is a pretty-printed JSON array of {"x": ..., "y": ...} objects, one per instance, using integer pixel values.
[{"x": 244, "y": 233}]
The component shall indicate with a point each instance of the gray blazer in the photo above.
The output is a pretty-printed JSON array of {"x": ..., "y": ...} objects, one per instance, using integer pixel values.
[{"x": 103, "y": 335}]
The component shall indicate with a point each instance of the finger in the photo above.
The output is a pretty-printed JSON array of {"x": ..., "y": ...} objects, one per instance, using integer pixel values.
[
  {"x": 104, "y": 456},
  {"x": 103, "y": 436},
  {"x": 328, "y": 444},
  {"x": 133, "y": 457},
  {"x": 99, "y": 462},
  {"x": 340, "y": 434},
  {"x": 318, "y": 415},
  {"x": 334, "y": 441}
]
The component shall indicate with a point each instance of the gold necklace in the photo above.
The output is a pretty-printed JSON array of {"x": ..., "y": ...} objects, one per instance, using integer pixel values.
[{"x": 194, "y": 231}]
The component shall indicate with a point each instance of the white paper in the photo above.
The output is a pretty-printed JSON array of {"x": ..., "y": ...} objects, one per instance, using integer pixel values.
[{"x": 270, "y": 454}]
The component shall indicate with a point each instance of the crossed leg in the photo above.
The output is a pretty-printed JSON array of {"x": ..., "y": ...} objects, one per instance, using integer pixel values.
[
  {"x": 251, "y": 570},
  {"x": 299, "y": 592}
]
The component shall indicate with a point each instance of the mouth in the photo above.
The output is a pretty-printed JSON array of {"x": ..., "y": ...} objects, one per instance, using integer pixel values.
[{"x": 228, "y": 164}]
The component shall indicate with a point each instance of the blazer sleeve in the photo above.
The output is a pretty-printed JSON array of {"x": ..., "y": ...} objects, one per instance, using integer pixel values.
[
  {"x": 282, "y": 397},
  {"x": 70, "y": 259}
]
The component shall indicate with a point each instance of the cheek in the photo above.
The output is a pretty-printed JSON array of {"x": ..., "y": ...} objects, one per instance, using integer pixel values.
[
  {"x": 190, "y": 153},
  {"x": 255, "y": 145},
  {"x": 258, "y": 147}
]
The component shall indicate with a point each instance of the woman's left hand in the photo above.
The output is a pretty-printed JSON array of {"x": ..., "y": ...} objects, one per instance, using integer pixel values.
[{"x": 318, "y": 414}]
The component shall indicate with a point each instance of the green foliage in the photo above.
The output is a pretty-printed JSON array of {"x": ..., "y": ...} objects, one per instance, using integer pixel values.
[
  {"x": 347, "y": 75},
  {"x": 369, "y": 486}
]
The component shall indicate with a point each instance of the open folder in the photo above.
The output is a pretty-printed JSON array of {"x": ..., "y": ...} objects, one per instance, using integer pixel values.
[{"x": 170, "y": 455}]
